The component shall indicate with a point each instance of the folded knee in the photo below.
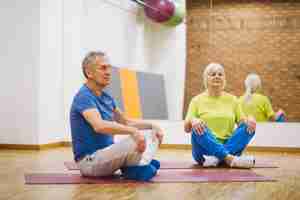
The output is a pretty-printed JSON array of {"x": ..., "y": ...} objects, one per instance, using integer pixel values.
[
  {"x": 244, "y": 127},
  {"x": 195, "y": 132}
]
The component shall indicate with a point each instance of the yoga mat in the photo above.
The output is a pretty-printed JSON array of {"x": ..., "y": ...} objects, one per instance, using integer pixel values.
[
  {"x": 163, "y": 176},
  {"x": 181, "y": 165},
  {"x": 209, "y": 175}
]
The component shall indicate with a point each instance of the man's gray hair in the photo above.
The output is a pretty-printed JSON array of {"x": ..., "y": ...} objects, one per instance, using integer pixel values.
[
  {"x": 212, "y": 67},
  {"x": 90, "y": 59}
]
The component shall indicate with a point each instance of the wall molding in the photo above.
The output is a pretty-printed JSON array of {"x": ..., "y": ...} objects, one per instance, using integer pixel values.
[
  {"x": 32, "y": 146},
  {"x": 163, "y": 146}
]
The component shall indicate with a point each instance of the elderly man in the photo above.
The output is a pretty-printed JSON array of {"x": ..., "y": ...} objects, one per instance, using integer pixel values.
[{"x": 95, "y": 119}]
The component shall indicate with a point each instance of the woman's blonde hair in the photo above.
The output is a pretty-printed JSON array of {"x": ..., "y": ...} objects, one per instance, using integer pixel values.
[
  {"x": 212, "y": 67},
  {"x": 252, "y": 84}
]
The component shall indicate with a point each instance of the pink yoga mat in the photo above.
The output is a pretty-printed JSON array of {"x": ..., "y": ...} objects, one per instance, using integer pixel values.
[
  {"x": 180, "y": 165},
  {"x": 163, "y": 176}
]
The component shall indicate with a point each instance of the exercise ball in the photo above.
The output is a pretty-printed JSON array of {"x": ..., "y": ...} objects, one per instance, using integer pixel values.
[
  {"x": 178, "y": 16},
  {"x": 159, "y": 10}
]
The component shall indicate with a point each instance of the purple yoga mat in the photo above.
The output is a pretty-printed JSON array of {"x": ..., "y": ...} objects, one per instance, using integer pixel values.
[
  {"x": 163, "y": 176},
  {"x": 209, "y": 175},
  {"x": 181, "y": 165}
]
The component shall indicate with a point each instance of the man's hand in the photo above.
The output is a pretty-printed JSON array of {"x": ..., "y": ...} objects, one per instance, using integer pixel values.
[
  {"x": 139, "y": 140},
  {"x": 158, "y": 133},
  {"x": 198, "y": 125}
]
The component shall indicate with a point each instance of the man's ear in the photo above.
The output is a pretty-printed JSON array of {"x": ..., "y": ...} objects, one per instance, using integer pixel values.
[{"x": 88, "y": 72}]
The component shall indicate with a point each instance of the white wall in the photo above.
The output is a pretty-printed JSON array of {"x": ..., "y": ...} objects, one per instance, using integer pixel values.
[
  {"x": 43, "y": 43},
  {"x": 166, "y": 48},
  {"x": 71, "y": 56},
  {"x": 133, "y": 41},
  {"x": 116, "y": 31},
  {"x": 130, "y": 40},
  {"x": 267, "y": 134},
  {"x": 277, "y": 135},
  {"x": 19, "y": 56},
  {"x": 50, "y": 100}
]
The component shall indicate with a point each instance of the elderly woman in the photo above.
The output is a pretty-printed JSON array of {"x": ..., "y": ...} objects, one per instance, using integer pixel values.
[
  {"x": 212, "y": 117},
  {"x": 255, "y": 104}
]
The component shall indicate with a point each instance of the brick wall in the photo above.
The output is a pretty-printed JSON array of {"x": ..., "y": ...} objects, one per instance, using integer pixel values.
[{"x": 246, "y": 36}]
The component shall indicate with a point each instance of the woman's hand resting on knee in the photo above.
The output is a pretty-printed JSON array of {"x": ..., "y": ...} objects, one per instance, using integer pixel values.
[
  {"x": 198, "y": 125},
  {"x": 251, "y": 124}
]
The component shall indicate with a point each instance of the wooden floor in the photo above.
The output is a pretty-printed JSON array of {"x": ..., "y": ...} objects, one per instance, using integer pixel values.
[{"x": 14, "y": 163}]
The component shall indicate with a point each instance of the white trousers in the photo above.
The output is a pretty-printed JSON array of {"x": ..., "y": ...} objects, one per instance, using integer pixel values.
[{"x": 107, "y": 161}]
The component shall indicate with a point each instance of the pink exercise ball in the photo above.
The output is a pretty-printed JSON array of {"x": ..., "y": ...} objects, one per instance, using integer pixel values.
[{"x": 159, "y": 10}]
